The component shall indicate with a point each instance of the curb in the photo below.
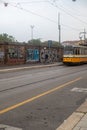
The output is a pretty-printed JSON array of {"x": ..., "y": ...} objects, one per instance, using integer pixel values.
[
  {"x": 71, "y": 122},
  {"x": 29, "y": 67}
]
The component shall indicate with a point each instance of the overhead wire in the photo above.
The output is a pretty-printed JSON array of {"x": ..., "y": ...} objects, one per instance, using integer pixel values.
[
  {"x": 27, "y": 2},
  {"x": 18, "y": 5},
  {"x": 64, "y": 10},
  {"x": 71, "y": 10},
  {"x": 30, "y": 2},
  {"x": 75, "y": 13},
  {"x": 45, "y": 18},
  {"x": 76, "y": 29}
]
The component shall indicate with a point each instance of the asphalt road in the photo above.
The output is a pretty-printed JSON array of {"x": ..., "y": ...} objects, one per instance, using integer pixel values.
[{"x": 41, "y": 99}]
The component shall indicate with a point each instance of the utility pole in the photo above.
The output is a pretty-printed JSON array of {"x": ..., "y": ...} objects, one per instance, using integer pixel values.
[
  {"x": 32, "y": 27},
  {"x": 59, "y": 27},
  {"x": 59, "y": 37},
  {"x": 84, "y": 35}
]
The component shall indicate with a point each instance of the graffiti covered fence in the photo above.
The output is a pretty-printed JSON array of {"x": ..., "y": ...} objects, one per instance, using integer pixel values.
[{"x": 19, "y": 53}]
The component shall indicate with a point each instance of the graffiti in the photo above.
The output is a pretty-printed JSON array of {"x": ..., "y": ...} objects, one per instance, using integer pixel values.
[
  {"x": 22, "y": 53},
  {"x": 2, "y": 53},
  {"x": 15, "y": 52},
  {"x": 48, "y": 56},
  {"x": 32, "y": 55}
]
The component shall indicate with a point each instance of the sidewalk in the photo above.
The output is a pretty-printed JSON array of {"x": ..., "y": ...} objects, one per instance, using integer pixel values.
[
  {"x": 77, "y": 121},
  {"x": 27, "y": 66}
]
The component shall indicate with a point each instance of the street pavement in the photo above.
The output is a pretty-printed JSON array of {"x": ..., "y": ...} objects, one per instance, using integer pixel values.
[
  {"x": 27, "y": 66},
  {"x": 76, "y": 121}
]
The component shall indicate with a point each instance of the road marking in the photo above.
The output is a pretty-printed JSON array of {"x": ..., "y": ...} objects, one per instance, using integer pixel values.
[
  {"x": 19, "y": 68},
  {"x": 38, "y": 96},
  {"x": 27, "y": 67},
  {"x": 17, "y": 77},
  {"x": 71, "y": 121},
  {"x": 6, "y": 127},
  {"x": 79, "y": 90}
]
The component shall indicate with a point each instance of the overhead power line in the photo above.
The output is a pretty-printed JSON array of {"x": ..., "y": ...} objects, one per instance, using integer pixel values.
[
  {"x": 44, "y": 17},
  {"x": 73, "y": 28},
  {"x": 77, "y": 11},
  {"x": 30, "y": 2},
  {"x": 33, "y": 13},
  {"x": 64, "y": 10}
]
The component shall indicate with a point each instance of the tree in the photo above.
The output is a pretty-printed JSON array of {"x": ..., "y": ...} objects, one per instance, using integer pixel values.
[
  {"x": 7, "y": 38},
  {"x": 54, "y": 44},
  {"x": 35, "y": 42}
]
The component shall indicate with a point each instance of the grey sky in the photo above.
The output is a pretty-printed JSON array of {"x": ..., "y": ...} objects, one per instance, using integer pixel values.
[{"x": 19, "y": 15}]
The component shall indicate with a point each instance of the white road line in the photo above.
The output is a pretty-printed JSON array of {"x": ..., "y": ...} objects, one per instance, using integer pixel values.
[
  {"x": 27, "y": 67},
  {"x": 6, "y": 127},
  {"x": 17, "y": 77},
  {"x": 83, "y": 90},
  {"x": 40, "y": 74}
]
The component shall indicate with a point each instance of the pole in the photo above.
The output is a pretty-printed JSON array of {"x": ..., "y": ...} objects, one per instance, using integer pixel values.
[
  {"x": 32, "y": 27},
  {"x": 84, "y": 35},
  {"x": 59, "y": 27}
]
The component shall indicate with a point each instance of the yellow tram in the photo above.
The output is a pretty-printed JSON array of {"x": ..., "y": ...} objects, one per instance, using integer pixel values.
[{"x": 75, "y": 54}]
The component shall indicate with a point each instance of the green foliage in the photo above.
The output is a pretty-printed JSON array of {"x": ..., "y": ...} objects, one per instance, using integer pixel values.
[
  {"x": 7, "y": 38},
  {"x": 35, "y": 42},
  {"x": 54, "y": 44}
]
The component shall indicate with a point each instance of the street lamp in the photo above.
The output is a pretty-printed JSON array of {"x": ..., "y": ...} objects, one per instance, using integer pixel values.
[
  {"x": 5, "y": 4},
  {"x": 32, "y": 27}
]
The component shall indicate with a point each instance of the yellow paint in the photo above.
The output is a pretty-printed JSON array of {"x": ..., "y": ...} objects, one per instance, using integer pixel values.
[
  {"x": 38, "y": 96},
  {"x": 74, "y": 59}
]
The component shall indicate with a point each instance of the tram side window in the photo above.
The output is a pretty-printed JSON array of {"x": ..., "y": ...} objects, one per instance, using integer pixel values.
[
  {"x": 85, "y": 51},
  {"x": 76, "y": 51},
  {"x": 82, "y": 51},
  {"x": 68, "y": 51}
]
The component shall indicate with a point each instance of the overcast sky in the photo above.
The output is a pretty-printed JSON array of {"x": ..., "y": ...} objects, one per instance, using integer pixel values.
[{"x": 16, "y": 19}]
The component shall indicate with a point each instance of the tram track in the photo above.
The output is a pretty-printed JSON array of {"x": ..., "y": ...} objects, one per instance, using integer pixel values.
[{"x": 43, "y": 80}]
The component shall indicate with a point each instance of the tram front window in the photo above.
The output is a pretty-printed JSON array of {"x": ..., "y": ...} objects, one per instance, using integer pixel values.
[{"x": 68, "y": 50}]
